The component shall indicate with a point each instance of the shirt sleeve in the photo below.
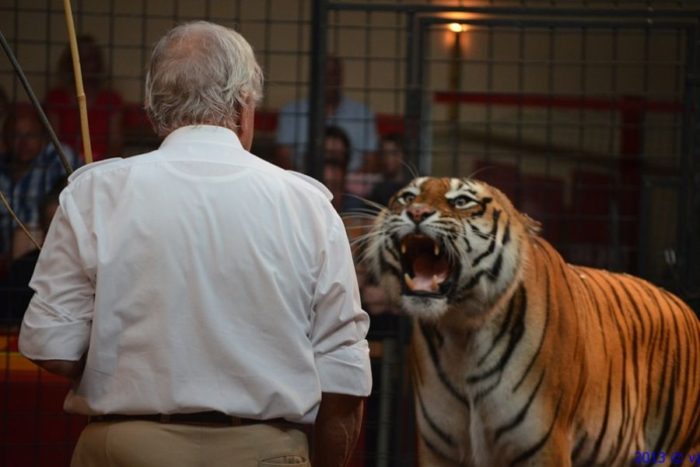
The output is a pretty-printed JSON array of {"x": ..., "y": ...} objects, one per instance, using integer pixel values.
[
  {"x": 57, "y": 322},
  {"x": 340, "y": 325}
]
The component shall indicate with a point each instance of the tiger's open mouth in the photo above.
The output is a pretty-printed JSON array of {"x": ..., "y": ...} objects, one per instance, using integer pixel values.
[{"x": 425, "y": 266}]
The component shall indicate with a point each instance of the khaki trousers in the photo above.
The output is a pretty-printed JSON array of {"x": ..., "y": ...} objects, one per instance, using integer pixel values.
[{"x": 152, "y": 444}]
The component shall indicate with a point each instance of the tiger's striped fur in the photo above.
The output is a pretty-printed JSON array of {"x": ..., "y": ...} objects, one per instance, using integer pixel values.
[{"x": 520, "y": 358}]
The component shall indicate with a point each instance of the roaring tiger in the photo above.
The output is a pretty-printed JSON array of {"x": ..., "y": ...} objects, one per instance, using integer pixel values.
[{"x": 519, "y": 358}]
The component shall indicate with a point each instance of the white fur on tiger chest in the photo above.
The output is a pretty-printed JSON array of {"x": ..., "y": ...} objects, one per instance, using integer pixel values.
[
  {"x": 498, "y": 400},
  {"x": 441, "y": 405}
]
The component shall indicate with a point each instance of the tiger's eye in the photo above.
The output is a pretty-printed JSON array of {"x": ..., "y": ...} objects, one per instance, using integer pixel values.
[
  {"x": 462, "y": 202},
  {"x": 406, "y": 198}
]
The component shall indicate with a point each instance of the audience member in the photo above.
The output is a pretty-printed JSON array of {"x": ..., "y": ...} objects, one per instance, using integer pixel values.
[
  {"x": 392, "y": 161},
  {"x": 336, "y": 156},
  {"x": 203, "y": 301},
  {"x": 355, "y": 118},
  {"x": 393, "y": 169},
  {"x": 105, "y": 106},
  {"x": 31, "y": 168},
  {"x": 15, "y": 288}
]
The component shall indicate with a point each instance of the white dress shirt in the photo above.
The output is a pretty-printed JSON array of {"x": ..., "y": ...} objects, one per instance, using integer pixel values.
[{"x": 199, "y": 277}]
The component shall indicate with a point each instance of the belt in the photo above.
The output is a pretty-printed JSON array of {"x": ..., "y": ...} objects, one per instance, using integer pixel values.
[{"x": 196, "y": 418}]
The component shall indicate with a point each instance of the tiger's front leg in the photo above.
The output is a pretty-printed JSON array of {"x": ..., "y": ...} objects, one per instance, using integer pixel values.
[
  {"x": 442, "y": 409},
  {"x": 442, "y": 442},
  {"x": 553, "y": 449}
]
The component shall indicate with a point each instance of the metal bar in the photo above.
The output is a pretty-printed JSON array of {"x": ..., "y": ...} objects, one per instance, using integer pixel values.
[
  {"x": 688, "y": 220},
  {"x": 554, "y": 22},
  {"x": 412, "y": 142},
  {"x": 558, "y": 101},
  {"x": 644, "y": 226},
  {"x": 35, "y": 102},
  {"x": 424, "y": 131},
  {"x": 319, "y": 35},
  {"x": 488, "y": 128},
  {"x": 650, "y": 13},
  {"x": 391, "y": 354},
  {"x": 412, "y": 112}
]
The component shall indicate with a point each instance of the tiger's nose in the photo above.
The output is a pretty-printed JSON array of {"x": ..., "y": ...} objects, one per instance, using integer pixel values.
[{"x": 419, "y": 212}]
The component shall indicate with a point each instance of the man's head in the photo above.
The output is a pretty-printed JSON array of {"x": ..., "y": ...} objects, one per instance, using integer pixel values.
[
  {"x": 203, "y": 74},
  {"x": 392, "y": 155},
  {"x": 91, "y": 62},
  {"x": 24, "y": 136},
  {"x": 336, "y": 155}
]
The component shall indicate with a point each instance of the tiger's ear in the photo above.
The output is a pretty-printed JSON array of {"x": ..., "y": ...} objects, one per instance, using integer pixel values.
[{"x": 532, "y": 226}]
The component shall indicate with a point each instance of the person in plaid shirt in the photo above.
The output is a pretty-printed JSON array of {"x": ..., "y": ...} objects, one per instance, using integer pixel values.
[{"x": 29, "y": 170}]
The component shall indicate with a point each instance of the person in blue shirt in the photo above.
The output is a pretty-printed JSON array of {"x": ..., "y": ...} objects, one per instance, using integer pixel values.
[
  {"x": 355, "y": 118},
  {"x": 30, "y": 168}
]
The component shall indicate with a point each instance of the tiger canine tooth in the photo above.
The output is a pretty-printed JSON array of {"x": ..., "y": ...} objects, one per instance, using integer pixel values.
[
  {"x": 437, "y": 250},
  {"x": 409, "y": 281},
  {"x": 435, "y": 283},
  {"x": 403, "y": 248}
]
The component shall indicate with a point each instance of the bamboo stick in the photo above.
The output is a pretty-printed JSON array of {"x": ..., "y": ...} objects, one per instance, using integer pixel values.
[
  {"x": 80, "y": 92},
  {"x": 24, "y": 228}
]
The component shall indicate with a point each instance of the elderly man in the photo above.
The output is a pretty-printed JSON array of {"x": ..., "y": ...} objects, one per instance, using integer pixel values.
[{"x": 203, "y": 300}]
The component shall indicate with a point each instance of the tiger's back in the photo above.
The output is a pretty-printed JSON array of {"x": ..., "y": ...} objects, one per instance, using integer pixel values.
[{"x": 641, "y": 386}]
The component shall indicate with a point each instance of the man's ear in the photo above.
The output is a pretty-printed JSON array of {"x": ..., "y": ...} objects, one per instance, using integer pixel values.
[{"x": 246, "y": 124}]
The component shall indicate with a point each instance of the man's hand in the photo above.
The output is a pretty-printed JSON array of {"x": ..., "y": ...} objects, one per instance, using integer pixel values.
[{"x": 336, "y": 429}]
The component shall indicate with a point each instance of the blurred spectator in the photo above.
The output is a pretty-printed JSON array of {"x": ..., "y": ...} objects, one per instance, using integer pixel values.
[
  {"x": 393, "y": 170},
  {"x": 31, "y": 168},
  {"x": 355, "y": 118},
  {"x": 336, "y": 155},
  {"x": 392, "y": 177},
  {"x": 392, "y": 161},
  {"x": 105, "y": 106},
  {"x": 15, "y": 289}
]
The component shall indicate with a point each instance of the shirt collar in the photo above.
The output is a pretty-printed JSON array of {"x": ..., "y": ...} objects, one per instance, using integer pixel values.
[{"x": 202, "y": 133}]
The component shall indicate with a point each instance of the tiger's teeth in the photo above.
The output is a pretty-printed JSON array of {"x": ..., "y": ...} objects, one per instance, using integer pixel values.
[
  {"x": 409, "y": 281},
  {"x": 435, "y": 283},
  {"x": 403, "y": 248},
  {"x": 437, "y": 250}
]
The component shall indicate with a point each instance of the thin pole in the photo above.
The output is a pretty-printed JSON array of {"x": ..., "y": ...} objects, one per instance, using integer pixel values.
[
  {"x": 317, "y": 99},
  {"x": 79, "y": 91},
  {"x": 24, "y": 228},
  {"x": 35, "y": 102}
]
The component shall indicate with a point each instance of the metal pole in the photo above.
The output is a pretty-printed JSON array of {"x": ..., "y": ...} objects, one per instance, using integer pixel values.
[
  {"x": 313, "y": 161},
  {"x": 35, "y": 102},
  {"x": 688, "y": 219},
  {"x": 412, "y": 119},
  {"x": 387, "y": 389}
]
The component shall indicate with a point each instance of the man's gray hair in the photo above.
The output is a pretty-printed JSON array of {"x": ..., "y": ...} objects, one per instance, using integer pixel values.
[{"x": 201, "y": 73}]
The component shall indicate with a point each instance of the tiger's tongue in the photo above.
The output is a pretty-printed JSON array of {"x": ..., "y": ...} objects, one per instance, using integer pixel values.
[{"x": 429, "y": 273}]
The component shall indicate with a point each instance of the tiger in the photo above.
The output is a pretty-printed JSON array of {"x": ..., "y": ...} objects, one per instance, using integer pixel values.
[{"x": 521, "y": 359}]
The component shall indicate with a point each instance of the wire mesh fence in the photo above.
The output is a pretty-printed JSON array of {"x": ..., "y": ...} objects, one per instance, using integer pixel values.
[{"x": 584, "y": 113}]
